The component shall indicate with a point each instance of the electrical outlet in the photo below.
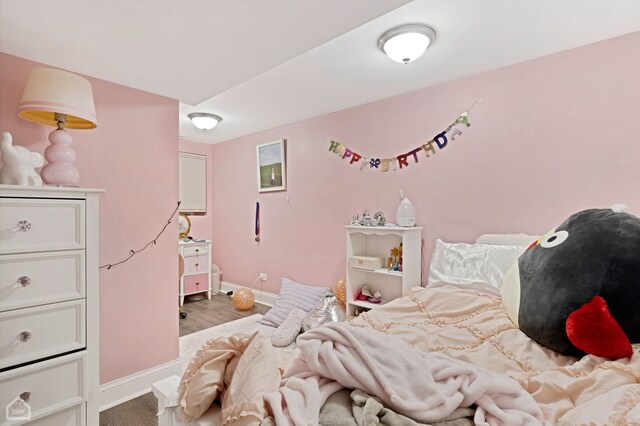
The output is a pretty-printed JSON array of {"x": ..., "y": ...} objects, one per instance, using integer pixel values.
[{"x": 263, "y": 276}]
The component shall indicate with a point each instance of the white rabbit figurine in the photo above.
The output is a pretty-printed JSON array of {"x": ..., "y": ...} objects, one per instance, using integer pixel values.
[{"x": 19, "y": 164}]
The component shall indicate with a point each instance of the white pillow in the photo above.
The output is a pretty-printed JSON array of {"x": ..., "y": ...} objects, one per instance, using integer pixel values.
[
  {"x": 293, "y": 295},
  {"x": 467, "y": 264}
]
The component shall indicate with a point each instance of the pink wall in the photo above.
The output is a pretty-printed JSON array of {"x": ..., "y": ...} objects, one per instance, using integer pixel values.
[
  {"x": 553, "y": 136},
  {"x": 201, "y": 224},
  {"x": 133, "y": 155}
]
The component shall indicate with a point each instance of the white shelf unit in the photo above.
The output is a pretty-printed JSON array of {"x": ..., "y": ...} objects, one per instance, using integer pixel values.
[{"x": 378, "y": 242}]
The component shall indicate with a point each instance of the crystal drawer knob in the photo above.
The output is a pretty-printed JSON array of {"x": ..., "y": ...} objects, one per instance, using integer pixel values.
[
  {"x": 24, "y": 337},
  {"x": 24, "y": 226},
  {"x": 24, "y": 281},
  {"x": 25, "y": 396}
]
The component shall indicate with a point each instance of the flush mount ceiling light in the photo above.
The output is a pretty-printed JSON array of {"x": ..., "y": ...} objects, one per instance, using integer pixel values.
[
  {"x": 204, "y": 120},
  {"x": 406, "y": 43}
]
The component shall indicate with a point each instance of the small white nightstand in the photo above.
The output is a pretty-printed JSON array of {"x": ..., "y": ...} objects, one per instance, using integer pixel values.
[{"x": 197, "y": 268}]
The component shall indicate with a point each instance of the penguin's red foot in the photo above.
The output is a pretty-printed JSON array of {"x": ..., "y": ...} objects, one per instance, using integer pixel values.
[{"x": 592, "y": 329}]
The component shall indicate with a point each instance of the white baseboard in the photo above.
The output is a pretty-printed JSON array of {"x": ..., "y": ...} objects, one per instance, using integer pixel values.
[
  {"x": 126, "y": 388},
  {"x": 262, "y": 297}
]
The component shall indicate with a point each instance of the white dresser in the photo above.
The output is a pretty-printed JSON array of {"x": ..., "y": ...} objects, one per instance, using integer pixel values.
[
  {"x": 49, "y": 368},
  {"x": 197, "y": 268}
]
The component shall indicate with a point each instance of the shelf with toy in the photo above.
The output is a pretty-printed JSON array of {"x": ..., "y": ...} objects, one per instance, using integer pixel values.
[{"x": 399, "y": 251}]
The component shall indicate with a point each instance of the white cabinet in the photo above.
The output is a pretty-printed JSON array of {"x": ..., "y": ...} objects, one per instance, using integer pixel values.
[
  {"x": 49, "y": 304},
  {"x": 365, "y": 242},
  {"x": 197, "y": 268}
]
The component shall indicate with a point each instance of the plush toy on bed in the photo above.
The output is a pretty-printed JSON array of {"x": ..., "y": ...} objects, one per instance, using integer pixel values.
[{"x": 577, "y": 289}]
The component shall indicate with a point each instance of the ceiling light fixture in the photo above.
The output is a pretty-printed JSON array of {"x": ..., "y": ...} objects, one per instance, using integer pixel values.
[
  {"x": 204, "y": 120},
  {"x": 406, "y": 43}
]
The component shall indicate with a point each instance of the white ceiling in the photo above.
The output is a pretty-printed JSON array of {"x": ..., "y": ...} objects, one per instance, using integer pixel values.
[{"x": 261, "y": 64}]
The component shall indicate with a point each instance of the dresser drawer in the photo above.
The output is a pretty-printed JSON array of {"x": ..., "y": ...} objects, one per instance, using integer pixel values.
[
  {"x": 196, "y": 264},
  {"x": 74, "y": 416},
  {"x": 35, "y": 225},
  {"x": 195, "y": 250},
  {"x": 54, "y": 385},
  {"x": 34, "y": 333},
  {"x": 41, "y": 278},
  {"x": 196, "y": 283}
]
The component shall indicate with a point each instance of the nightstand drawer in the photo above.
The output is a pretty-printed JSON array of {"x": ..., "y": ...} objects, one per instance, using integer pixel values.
[
  {"x": 196, "y": 283},
  {"x": 35, "y": 225},
  {"x": 51, "y": 385},
  {"x": 40, "y": 278},
  {"x": 34, "y": 333},
  {"x": 195, "y": 250},
  {"x": 196, "y": 264}
]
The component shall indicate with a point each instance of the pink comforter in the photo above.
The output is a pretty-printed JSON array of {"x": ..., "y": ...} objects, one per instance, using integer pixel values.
[{"x": 472, "y": 326}]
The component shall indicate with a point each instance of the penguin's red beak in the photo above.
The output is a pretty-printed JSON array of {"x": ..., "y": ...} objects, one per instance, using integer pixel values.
[{"x": 533, "y": 244}]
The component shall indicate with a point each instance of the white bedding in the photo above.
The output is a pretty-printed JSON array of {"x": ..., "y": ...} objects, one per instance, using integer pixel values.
[{"x": 423, "y": 386}]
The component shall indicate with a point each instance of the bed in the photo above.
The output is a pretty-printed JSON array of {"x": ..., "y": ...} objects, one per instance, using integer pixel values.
[{"x": 467, "y": 321}]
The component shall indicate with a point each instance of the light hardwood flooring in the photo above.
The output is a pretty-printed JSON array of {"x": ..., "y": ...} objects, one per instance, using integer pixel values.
[{"x": 201, "y": 314}]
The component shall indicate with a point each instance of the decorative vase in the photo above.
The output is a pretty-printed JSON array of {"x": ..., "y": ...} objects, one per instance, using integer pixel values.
[{"x": 406, "y": 213}]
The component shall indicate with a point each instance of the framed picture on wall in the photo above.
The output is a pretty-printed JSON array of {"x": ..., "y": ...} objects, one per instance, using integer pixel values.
[{"x": 271, "y": 166}]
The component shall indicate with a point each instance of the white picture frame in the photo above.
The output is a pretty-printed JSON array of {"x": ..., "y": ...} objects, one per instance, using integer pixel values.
[{"x": 271, "y": 166}]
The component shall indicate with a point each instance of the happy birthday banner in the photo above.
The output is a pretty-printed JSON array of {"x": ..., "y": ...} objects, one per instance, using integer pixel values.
[{"x": 402, "y": 161}]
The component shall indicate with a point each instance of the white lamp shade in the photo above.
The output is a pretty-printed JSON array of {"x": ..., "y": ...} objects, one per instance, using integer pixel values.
[{"x": 49, "y": 91}]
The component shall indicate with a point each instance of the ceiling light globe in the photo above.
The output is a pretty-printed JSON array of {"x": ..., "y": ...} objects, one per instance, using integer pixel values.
[
  {"x": 405, "y": 48},
  {"x": 406, "y": 43},
  {"x": 204, "y": 121}
]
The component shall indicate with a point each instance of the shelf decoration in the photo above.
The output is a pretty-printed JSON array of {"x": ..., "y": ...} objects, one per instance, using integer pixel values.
[
  {"x": 406, "y": 213},
  {"x": 394, "y": 262},
  {"x": 378, "y": 219},
  {"x": 403, "y": 160},
  {"x": 18, "y": 164}
]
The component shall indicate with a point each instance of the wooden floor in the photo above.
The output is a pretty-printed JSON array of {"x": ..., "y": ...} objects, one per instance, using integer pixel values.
[
  {"x": 201, "y": 314},
  {"x": 140, "y": 411}
]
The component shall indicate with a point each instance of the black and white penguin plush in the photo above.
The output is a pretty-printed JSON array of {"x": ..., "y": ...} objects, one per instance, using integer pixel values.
[{"x": 576, "y": 290}]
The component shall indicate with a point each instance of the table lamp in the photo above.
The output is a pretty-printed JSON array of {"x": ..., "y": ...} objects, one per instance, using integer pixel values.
[{"x": 64, "y": 100}]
